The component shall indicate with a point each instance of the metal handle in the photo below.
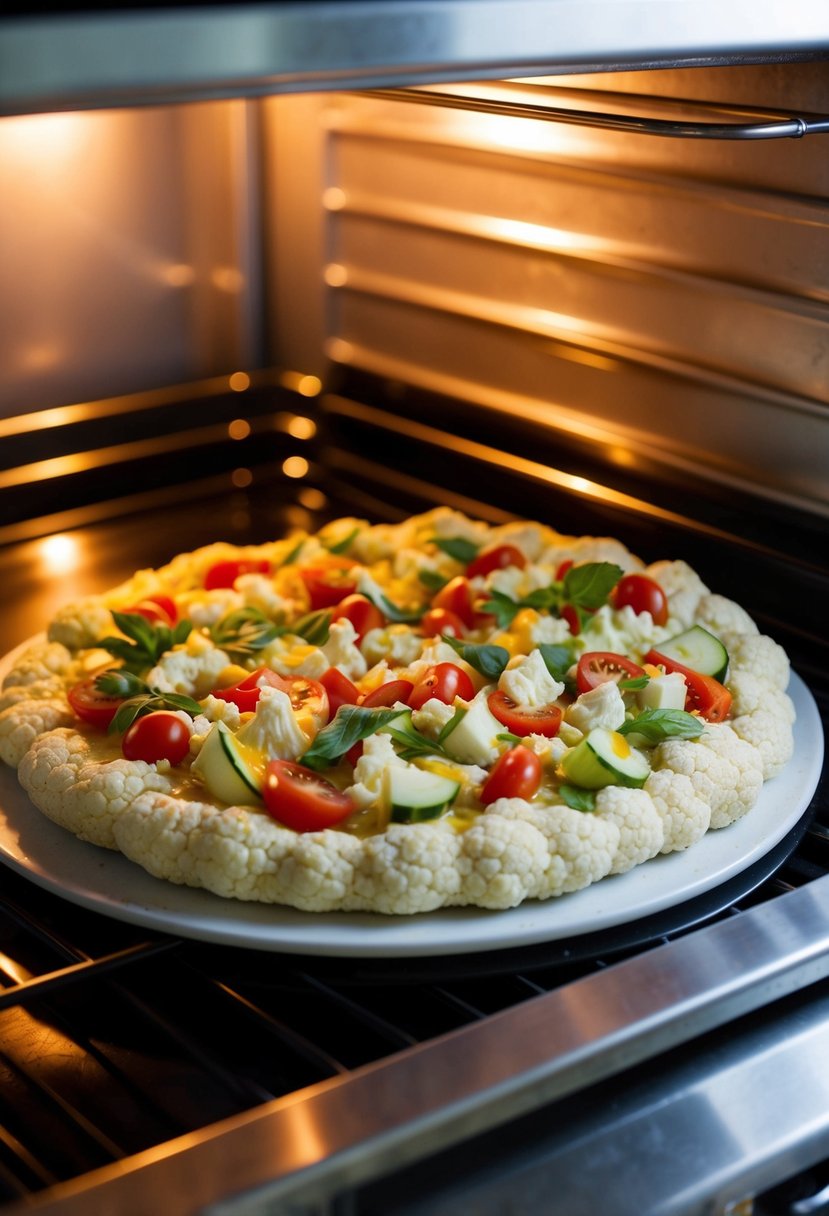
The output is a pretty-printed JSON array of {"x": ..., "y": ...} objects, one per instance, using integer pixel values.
[{"x": 779, "y": 127}]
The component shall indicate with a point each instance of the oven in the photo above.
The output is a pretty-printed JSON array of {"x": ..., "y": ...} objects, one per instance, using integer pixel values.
[{"x": 267, "y": 265}]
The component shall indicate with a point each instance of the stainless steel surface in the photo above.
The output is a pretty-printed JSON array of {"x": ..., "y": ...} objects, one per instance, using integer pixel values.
[
  {"x": 52, "y": 61},
  {"x": 380, "y": 1118}
]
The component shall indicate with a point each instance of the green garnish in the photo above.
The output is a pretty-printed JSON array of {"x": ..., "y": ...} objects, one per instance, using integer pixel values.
[
  {"x": 490, "y": 661},
  {"x": 242, "y": 632},
  {"x": 557, "y": 659},
  {"x": 342, "y": 546},
  {"x": 393, "y": 613},
  {"x": 140, "y": 698},
  {"x": 654, "y": 725},
  {"x": 463, "y": 551},
  {"x": 431, "y": 579},
  {"x": 144, "y": 641},
  {"x": 350, "y": 724},
  {"x": 578, "y": 799},
  {"x": 585, "y": 587}
]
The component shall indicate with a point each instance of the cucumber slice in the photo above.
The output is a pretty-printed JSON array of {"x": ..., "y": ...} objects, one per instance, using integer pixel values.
[
  {"x": 604, "y": 757},
  {"x": 473, "y": 738},
  {"x": 698, "y": 649},
  {"x": 224, "y": 771},
  {"x": 416, "y": 795}
]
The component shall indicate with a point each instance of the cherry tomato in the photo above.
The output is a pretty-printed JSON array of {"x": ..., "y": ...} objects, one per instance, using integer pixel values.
[
  {"x": 457, "y": 598},
  {"x": 570, "y": 614},
  {"x": 441, "y": 620},
  {"x": 389, "y": 693},
  {"x": 156, "y": 608},
  {"x": 598, "y": 666},
  {"x": 704, "y": 695},
  {"x": 524, "y": 719},
  {"x": 303, "y": 693},
  {"x": 642, "y": 594},
  {"x": 161, "y": 735},
  {"x": 499, "y": 557},
  {"x": 340, "y": 690},
  {"x": 301, "y": 799},
  {"x": 225, "y": 574},
  {"x": 329, "y": 580},
  {"x": 445, "y": 681},
  {"x": 91, "y": 705},
  {"x": 245, "y": 694},
  {"x": 516, "y": 774},
  {"x": 361, "y": 612},
  {"x": 563, "y": 567}
]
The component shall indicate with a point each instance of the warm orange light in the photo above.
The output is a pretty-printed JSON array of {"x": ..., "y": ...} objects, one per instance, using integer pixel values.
[
  {"x": 238, "y": 382},
  {"x": 336, "y": 275},
  {"x": 59, "y": 553},
  {"x": 312, "y": 498},
  {"x": 239, "y": 428},
  {"x": 295, "y": 466},
  {"x": 241, "y": 478},
  {"x": 301, "y": 427}
]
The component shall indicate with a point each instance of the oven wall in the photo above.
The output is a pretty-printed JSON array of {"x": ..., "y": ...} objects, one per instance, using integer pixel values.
[{"x": 656, "y": 298}]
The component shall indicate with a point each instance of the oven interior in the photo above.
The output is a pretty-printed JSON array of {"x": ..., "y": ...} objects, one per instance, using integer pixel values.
[{"x": 238, "y": 317}]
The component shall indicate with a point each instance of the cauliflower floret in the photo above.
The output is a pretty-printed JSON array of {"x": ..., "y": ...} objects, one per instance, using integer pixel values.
[
  {"x": 600, "y": 706},
  {"x": 549, "y": 630},
  {"x": 39, "y": 661},
  {"x": 621, "y": 631},
  {"x": 238, "y": 854},
  {"x": 592, "y": 549},
  {"x": 206, "y": 608},
  {"x": 409, "y": 869},
  {"x": 725, "y": 771},
  {"x": 502, "y": 861},
  {"x": 432, "y": 716},
  {"x": 216, "y": 709},
  {"x": 342, "y": 650},
  {"x": 527, "y": 681},
  {"x": 71, "y": 786},
  {"x": 81, "y": 624},
  {"x": 530, "y": 538},
  {"x": 258, "y": 591},
  {"x": 683, "y": 587},
  {"x": 752, "y": 693},
  {"x": 25, "y": 721},
  {"x": 580, "y": 847},
  {"x": 641, "y": 834},
  {"x": 759, "y": 654},
  {"x": 377, "y": 756},
  {"x": 49, "y": 689},
  {"x": 448, "y": 525},
  {"x": 720, "y": 615},
  {"x": 769, "y": 730},
  {"x": 191, "y": 669},
  {"x": 685, "y": 817},
  {"x": 396, "y": 643},
  {"x": 509, "y": 580},
  {"x": 291, "y": 655},
  {"x": 273, "y": 729}
]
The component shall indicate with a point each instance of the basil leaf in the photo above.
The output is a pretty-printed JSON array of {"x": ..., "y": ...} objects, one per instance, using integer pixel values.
[
  {"x": 489, "y": 660},
  {"x": 342, "y": 546},
  {"x": 557, "y": 659},
  {"x": 399, "y": 616},
  {"x": 578, "y": 799},
  {"x": 456, "y": 718},
  {"x": 314, "y": 627},
  {"x": 589, "y": 585},
  {"x": 243, "y": 632},
  {"x": 634, "y": 685},
  {"x": 350, "y": 724},
  {"x": 144, "y": 642},
  {"x": 431, "y": 579},
  {"x": 120, "y": 684},
  {"x": 148, "y": 701},
  {"x": 654, "y": 725},
  {"x": 502, "y": 607},
  {"x": 461, "y": 550},
  {"x": 506, "y": 736},
  {"x": 295, "y": 552}
]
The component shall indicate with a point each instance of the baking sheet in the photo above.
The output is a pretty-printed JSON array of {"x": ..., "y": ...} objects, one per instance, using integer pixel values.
[{"x": 108, "y": 883}]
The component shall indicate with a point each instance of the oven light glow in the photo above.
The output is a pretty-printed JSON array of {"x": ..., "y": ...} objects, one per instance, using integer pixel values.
[
  {"x": 336, "y": 275},
  {"x": 241, "y": 478},
  {"x": 239, "y": 428},
  {"x": 238, "y": 382},
  {"x": 295, "y": 466},
  {"x": 43, "y": 143},
  {"x": 312, "y": 498},
  {"x": 301, "y": 427},
  {"x": 334, "y": 198},
  {"x": 59, "y": 553}
]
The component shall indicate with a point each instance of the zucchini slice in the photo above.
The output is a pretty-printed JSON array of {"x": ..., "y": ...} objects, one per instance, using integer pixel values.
[
  {"x": 224, "y": 770},
  {"x": 416, "y": 795},
  {"x": 698, "y": 649},
  {"x": 604, "y": 757}
]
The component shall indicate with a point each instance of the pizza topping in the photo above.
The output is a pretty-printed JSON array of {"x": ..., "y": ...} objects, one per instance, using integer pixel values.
[
  {"x": 515, "y": 774},
  {"x": 642, "y": 594},
  {"x": 162, "y": 735},
  {"x": 301, "y": 799}
]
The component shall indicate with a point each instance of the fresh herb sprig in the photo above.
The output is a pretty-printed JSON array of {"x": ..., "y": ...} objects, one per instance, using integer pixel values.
[
  {"x": 656, "y": 725},
  {"x": 144, "y": 642},
  {"x": 586, "y": 587},
  {"x": 350, "y": 725},
  {"x": 244, "y": 631},
  {"x": 139, "y": 698},
  {"x": 457, "y": 547},
  {"x": 489, "y": 660}
]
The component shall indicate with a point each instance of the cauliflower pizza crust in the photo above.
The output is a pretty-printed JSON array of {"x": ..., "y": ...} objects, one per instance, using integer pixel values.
[{"x": 399, "y": 718}]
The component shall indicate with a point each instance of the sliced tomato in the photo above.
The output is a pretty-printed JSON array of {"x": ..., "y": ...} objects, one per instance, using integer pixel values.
[
  {"x": 340, "y": 690},
  {"x": 499, "y": 557},
  {"x": 245, "y": 694},
  {"x": 161, "y": 735},
  {"x": 642, "y": 594},
  {"x": 361, "y": 612},
  {"x": 225, "y": 574},
  {"x": 301, "y": 799},
  {"x": 441, "y": 620},
  {"x": 599, "y": 666},
  {"x": 703, "y": 694},
  {"x": 563, "y": 567},
  {"x": 456, "y": 597},
  {"x": 524, "y": 719},
  {"x": 156, "y": 608},
  {"x": 304, "y": 694},
  {"x": 516, "y": 774},
  {"x": 570, "y": 614},
  {"x": 329, "y": 580},
  {"x": 389, "y": 693},
  {"x": 444, "y": 681},
  {"x": 88, "y": 703}
]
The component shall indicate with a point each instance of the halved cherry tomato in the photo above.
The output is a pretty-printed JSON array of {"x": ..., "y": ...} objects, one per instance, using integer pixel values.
[
  {"x": 599, "y": 666},
  {"x": 524, "y": 719},
  {"x": 340, "y": 690},
  {"x": 571, "y": 615},
  {"x": 303, "y": 693},
  {"x": 499, "y": 557},
  {"x": 361, "y": 612},
  {"x": 516, "y": 774},
  {"x": 91, "y": 705},
  {"x": 329, "y": 580},
  {"x": 642, "y": 594},
  {"x": 156, "y": 608},
  {"x": 563, "y": 567},
  {"x": 457, "y": 598},
  {"x": 245, "y": 694},
  {"x": 389, "y": 693},
  {"x": 225, "y": 574},
  {"x": 161, "y": 735},
  {"x": 301, "y": 799},
  {"x": 441, "y": 620},
  {"x": 704, "y": 695},
  {"x": 444, "y": 681}
]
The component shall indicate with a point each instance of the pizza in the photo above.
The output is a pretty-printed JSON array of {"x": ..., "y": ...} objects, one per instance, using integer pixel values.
[{"x": 399, "y": 717}]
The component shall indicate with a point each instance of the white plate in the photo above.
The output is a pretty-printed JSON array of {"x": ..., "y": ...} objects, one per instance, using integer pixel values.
[{"x": 108, "y": 883}]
